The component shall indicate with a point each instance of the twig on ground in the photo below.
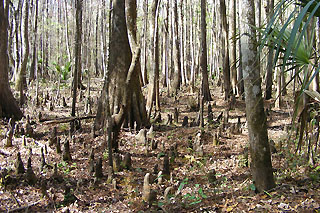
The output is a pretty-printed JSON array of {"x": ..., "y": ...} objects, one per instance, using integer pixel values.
[
  {"x": 15, "y": 199},
  {"x": 23, "y": 207}
]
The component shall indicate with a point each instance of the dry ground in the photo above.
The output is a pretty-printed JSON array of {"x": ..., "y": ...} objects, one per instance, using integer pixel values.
[{"x": 297, "y": 187}]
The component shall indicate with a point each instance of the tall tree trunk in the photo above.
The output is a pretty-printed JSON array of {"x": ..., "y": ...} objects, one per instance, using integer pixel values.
[
  {"x": 203, "y": 54},
  {"x": 192, "y": 47},
  {"x": 8, "y": 105},
  {"x": 34, "y": 56},
  {"x": 165, "y": 46},
  {"x": 181, "y": 42},
  {"x": 135, "y": 99},
  {"x": 77, "y": 53},
  {"x": 233, "y": 46},
  {"x": 21, "y": 82},
  {"x": 145, "y": 43},
  {"x": 261, "y": 167},
  {"x": 96, "y": 63},
  {"x": 46, "y": 46},
  {"x": 176, "y": 49},
  {"x": 153, "y": 90},
  {"x": 225, "y": 50},
  {"x": 269, "y": 74},
  {"x": 17, "y": 17},
  {"x": 187, "y": 49},
  {"x": 116, "y": 77},
  {"x": 67, "y": 31},
  {"x": 240, "y": 70}
]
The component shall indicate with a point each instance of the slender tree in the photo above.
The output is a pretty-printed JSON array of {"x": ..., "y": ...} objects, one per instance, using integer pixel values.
[
  {"x": 34, "y": 56},
  {"x": 233, "y": 46},
  {"x": 269, "y": 73},
  {"x": 203, "y": 53},
  {"x": 145, "y": 42},
  {"x": 153, "y": 90},
  {"x": 96, "y": 63},
  {"x": 21, "y": 82},
  {"x": 261, "y": 167},
  {"x": 225, "y": 50},
  {"x": 240, "y": 71},
  {"x": 77, "y": 53},
  {"x": 176, "y": 48},
  {"x": 8, "y": 105}
]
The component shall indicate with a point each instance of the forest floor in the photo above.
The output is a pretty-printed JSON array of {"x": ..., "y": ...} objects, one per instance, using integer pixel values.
[{"x": 297, "y": 188}]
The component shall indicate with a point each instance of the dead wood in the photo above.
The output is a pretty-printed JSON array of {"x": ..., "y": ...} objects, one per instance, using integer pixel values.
[{"x": 65, "y": 120}]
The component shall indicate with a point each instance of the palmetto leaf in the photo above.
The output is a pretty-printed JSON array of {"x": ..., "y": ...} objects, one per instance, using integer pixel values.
[
  {"x": 313, "y": 94},
  {"x": 293, "y": 42}
]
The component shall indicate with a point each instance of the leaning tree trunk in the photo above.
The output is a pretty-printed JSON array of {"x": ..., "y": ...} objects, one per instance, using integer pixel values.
[
  {"x": 118, "y": 66},
  {"x": 203, "y": 54},
  {"x": 261, "y": 166},
  {"x": 8, "y": 105}
]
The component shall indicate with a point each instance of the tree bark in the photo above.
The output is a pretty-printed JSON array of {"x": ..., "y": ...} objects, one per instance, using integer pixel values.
[
  {"x": 118, "y": 66},
  {"x": 21, "y": 82},
  {"x": 153, "y": 89},
  {"x": 96, "y": 63},
  {"x": 225, "y": 50},
  {"x": 269, "y": 74},
  {"x": 136, "y": 100},
  {"x": 145, "y": 43},
  {"x": 34, "y": 56},
  {"x": 203, "y": 54},
  {"x": 261, "y": 166},
  {"x": 240, "y": 71},
  {"x": 17, "y": 41},
  {"x": 176, "y": 49},
  {"x": 77, "y": 53},
  {"x": 233, "y": 46},
  {"x": 8, "y": 104}
]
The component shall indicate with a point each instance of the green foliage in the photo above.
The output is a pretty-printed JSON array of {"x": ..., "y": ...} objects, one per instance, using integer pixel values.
[
  {"x": 243, "y": 160},
  {"x": 66, "y": 168},
  {"x": 105, "y": 155},
  {"x": 293, "y": 42},
  {"x": 160, "y": 155},
  {"x": 63, "y": 127},
  {"x": 315, "y": 174},
  {"x": 184, "y": 182},
  {"x": 252, "y": 187},
  {"x": 195, "y": 196},
  {"x": 63, "y": 71}
]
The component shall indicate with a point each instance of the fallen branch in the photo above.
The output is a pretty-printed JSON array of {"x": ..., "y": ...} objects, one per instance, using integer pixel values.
[
  {"x": 24, "y": 207},
  {"x": 66, "y": 120}
]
